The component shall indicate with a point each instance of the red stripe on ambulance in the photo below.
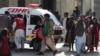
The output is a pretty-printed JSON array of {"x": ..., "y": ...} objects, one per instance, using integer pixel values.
[{"x": 18, "y": 10}]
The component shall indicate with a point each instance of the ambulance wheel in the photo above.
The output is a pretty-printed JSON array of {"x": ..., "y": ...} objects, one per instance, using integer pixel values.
[
  {"x": 12, "y": 45},
  {"x": 36, "y": 47}
]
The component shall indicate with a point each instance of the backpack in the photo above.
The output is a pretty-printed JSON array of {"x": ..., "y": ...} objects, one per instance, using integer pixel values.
[{"x": 46, "y": 30}]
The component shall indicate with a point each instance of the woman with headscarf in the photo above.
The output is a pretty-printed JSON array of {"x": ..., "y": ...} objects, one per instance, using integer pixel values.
[
  {"x": 95, "y": 32},
  {"x": 4, "y": 49},
  {"x": 89, "y": 38}
]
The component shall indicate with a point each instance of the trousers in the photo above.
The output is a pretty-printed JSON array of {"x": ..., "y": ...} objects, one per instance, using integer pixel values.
[
  {"x": 48, "y": 42},
  {"x": 80, "y": 43},
  {"x": 19, "y": 38}
]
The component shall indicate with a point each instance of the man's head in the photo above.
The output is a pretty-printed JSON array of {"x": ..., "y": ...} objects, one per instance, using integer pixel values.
[
  {"x": 82, "y": 17},
  {"x": 4, "y": 32},
  {"x": 76, "y": 7},
  {"x": 95, "y": 20},
  {"x": 7, "y": 13},
  {"x": 66, "y": 14},
  {"x": 19, "y": 15},
  {"x": 46, "y": 16}
]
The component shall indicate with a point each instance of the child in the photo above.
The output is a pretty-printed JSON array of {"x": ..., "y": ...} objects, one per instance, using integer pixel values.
[{"x": 4, "y": 49}]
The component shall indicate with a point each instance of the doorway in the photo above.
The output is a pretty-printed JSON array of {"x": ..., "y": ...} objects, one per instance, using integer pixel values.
[{"x": 49, "y": 4}]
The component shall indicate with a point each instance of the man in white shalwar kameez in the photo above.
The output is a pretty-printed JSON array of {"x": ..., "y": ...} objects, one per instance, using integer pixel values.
[
  {"x": 64, "y": 21},
  {"x": 18, "y": 27}
]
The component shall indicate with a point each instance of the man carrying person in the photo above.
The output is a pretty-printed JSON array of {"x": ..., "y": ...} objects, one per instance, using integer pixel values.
[
  {"x": 48, "y": 41},
  {"x": 18, "y": 27}
]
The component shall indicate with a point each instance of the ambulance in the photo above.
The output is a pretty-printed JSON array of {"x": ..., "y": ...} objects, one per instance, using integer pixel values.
[{"x": 31, "y": 15}]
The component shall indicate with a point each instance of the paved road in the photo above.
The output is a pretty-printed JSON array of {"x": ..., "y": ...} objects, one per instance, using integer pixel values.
[{"x": 29, "y": 52}]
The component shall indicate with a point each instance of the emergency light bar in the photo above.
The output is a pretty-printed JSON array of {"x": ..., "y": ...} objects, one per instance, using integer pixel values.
[{"x": 33, "y": 5}]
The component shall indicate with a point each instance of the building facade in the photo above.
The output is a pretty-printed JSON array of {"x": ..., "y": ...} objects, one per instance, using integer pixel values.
[
  {"x": 60, "y": 6},
  {"x": 97, "y": 8}
]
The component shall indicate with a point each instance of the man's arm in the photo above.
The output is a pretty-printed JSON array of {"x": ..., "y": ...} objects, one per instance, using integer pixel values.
[
  {"x": 51, "y": 24},
  {"x": 8, "y": 23},
  {"x": 14, "y": 26}
]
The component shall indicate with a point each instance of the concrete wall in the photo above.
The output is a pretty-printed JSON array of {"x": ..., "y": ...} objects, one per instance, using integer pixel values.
[
  {"x": 65, "y": 6},
  {"x": 87, "y": 4},
  {"x": 4, "y": 3},
  {"x": 31, "y": 1},
  {"x": 13, "y": 3},
  {"x": 97, "y": 8},
  {"x": 61, "y": 5}
]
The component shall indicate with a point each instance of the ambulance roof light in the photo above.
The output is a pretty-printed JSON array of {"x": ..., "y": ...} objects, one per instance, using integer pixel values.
[{"x": 33, "y": 5}]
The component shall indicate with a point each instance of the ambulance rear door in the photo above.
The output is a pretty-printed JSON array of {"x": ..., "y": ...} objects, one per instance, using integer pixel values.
[{"x": 32, "y": 21}]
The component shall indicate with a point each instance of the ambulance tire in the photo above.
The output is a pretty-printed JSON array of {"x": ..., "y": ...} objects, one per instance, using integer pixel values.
[
  {"x": 36, "y": 47},
  {"x": 12, "y": 45},
  {"x": 36, "y": 44}
]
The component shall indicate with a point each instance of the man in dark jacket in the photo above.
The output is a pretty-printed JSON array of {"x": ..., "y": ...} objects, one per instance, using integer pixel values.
[
  {"x": 5, "y": 22},
  {"x": 80, "y": 35}
]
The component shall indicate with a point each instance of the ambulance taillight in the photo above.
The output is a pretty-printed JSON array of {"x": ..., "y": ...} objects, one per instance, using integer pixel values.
[{"x": 58, "y": 28}]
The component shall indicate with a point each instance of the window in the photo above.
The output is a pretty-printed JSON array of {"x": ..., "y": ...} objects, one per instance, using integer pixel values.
[
  {"x": 12, "y": 18},
  {"x": 34, "y": 19}
]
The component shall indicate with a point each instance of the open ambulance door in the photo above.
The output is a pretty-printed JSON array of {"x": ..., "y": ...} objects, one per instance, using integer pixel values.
[{"x": 32, "y": 21}]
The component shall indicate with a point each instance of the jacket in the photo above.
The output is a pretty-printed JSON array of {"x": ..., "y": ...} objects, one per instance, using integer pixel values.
[
  {"x": 80, "y": 28},
  {"x": 5, "y": 23},
  {"x": 50, "y": 23}
]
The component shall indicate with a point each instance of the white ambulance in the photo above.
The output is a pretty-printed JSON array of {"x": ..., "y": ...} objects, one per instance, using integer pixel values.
[{"x": 31, "y": 16}]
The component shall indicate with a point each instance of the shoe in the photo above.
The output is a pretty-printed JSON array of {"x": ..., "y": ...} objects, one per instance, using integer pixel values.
[
  {"x": 40, "y": 53},
  {"x": 78, "y": 55},
  {"x": 54, "y": 52},
  {"x": 20, "y": 50},
  {"x": 17, "y": 50},
  {"x": 85, "y": 52},
  {"x": 69, "y": 50},
  {"x": 65, "y": 45}
]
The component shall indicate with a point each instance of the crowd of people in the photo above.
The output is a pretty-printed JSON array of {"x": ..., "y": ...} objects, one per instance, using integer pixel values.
[
  {"x": 83, "y": 30},
  {"x": 7, "y": 27}
]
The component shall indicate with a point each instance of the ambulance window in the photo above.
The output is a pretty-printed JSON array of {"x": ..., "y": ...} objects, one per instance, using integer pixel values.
[{"x": 34, "y": 19}]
